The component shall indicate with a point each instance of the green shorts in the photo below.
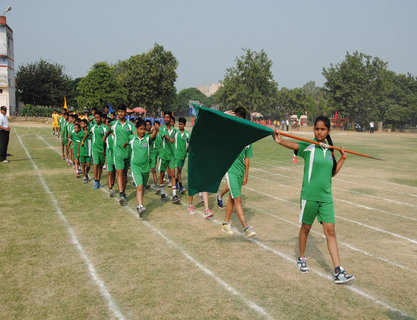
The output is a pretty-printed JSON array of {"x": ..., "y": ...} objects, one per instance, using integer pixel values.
[
  {"x": 152, "y": 158},
  {"x": 110, "y": 163},
  {"x": 179, "y": 163},
  {"x": 140, "y": 178},
  {"x": 164, "y": 164},
  {"x": 121, "y": 163},
  {"x": 234, "y": 182},
  {"x": 85, "y": 159},
  {"x": 310, "y": 209},
  {"x": 98, "y": 158}
]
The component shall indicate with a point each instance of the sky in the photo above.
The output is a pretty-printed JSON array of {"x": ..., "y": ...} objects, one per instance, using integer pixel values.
[{"x": 300, "y": 37}]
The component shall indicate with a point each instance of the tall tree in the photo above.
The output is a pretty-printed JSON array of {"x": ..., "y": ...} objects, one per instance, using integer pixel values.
[
  {"x": 357, "y": 86},
  {"x": 249, "y": 84},
  {"x": 42, "y": 83},
  {"x": 100, "y": 87},
  {"x": 149, "y": 78},
  {"x": 184, "y": 96}
]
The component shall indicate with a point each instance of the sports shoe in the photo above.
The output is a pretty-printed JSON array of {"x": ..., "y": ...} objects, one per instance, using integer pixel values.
[
  {"x": 141, "y": 211},
  {"x": 85, "y": 180},
  {"x": 158, "y": 191},
  {"x": 294, "y": 159},
  {"x": 227, "y": 228},
  {"x": 208, "y": 213},
  {"x": 219, "y": 201},
  {"x": 175, "y": 199},
  {"x": 78, "y": 174},
  {"x": 201, "y": 198},
  {"x": 112, "y": 192},
  {"x": 148, "y": 186},
  {"x": 88, "y": 178},
  {"x": 302, "y": 265},
  {"x": 182, "y": 190},
  {"x": 163, "y": 197},
  {"x": 5, "y": 161},
  {"x": 249, "y": 232},
  {"x": 342, "y": 276},
  {"x": 97, "y": 185},
  {"x": 123, "y": 200},
  {"x": 190, "y": 210},
  {"x": 63, "y": 157}
]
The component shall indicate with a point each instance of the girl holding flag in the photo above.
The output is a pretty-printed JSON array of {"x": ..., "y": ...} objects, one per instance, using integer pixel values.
[{"x": 316, "y": 194}]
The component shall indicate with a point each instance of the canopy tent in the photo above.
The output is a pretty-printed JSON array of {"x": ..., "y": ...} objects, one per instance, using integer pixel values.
[
  {"x": 136, "y": 110},
  {"x": 256, "y": 115},
  {"x": 216, "y": 141}
]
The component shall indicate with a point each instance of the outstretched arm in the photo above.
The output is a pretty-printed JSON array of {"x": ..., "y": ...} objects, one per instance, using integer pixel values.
[
  {"x": 341, "y": 161},
  {"x": 288, "y": 144}
]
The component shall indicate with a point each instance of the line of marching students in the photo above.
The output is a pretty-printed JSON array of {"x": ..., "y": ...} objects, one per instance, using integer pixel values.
[{"x": 117, "y": 143}]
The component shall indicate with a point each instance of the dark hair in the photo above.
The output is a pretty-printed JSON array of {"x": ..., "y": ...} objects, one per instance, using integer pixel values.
[
  {"x": 241, "y": 112},
  {"x": 182, "y": 120},
  {"x": 157, "y": 122},
  {"x": 140, "y": 122},
  {"x": 99, "y": 113},
  {"x": 4, "y": 108},
  {"x": 94, "y": 109},
  {"x": 326, "y": 122},
  {"x": 168, "y": 113},
  {"x": 84, "y": 121},
  {"x": 77, "y": 124},
  {"x": 149, "y": 121},
  {"x": 106, "y": 106},
  {"x": 122, "y": 107},
  {"x": 173, "y": 118}
]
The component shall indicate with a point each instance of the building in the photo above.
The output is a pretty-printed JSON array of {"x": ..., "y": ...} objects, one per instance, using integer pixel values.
[
  {"x": 210, "y": 89},
  {"x": 7, "y": 75}
]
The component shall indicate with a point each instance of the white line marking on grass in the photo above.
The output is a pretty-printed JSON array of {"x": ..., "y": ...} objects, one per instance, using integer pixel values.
[
  {"x": 93, "y": 273},
  {"x": 292, "y": 260},
  {"x": 337, "y": 199},
  {"x": 207, "y": 271},
  {"x": 349, "y": 220}
]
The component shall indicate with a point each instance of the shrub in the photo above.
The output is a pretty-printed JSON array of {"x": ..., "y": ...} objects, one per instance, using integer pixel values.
[{"x": 36, "y": 111}]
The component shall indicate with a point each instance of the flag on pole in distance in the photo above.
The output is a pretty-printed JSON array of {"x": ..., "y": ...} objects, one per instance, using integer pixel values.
[
  {"x": 110, "y": 108},
  {"x": 216, "y": 141},
  {"x": 335, "y": 116},
  {"x": 65, "y": 103}
]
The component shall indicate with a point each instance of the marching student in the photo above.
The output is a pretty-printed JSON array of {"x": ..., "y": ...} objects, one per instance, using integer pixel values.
[
  {"x": 74, "y": 137},
  {"x": 98, "y": 131},
  {"x": 139, "y": 161},
  {"x": 167, "y": 160},
  {"x": 316, "y": 194},
  {"x": 182, "y": 138},
  {"x": 63, "y": 126},
  {"x": 155, "y": 147},
  {"x": 121, "y": 130},
  {"x": 84, "y": 150},
  {"x": 70, "y": 129},
  {"x": 111, "y": 170},
  {"x": 236, "y": 176},
  {"x": 207, "y": 212},
  {"x": 55, "y": 122}
]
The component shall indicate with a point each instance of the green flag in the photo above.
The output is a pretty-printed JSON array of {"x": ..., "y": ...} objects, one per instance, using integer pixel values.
[{"x": 216, "y": 141}]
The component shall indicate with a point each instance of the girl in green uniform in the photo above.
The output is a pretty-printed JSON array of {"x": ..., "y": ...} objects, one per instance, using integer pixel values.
[{"x": 316, "y": 195}]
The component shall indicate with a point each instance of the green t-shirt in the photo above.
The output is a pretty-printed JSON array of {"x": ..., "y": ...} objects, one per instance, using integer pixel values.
[
  {"x": 70, "y": 128},
  {"x": 238, "y": 166},
  {"x": 63, "y": 124},
  {"x": 83, "y": 148},
  {"x": 317, "y": 180},
  {"x": 139, "y": 161},
  {"x": 109, "y": 145},
  {"x": 97, "y": 134},
  {"x": 181, "y": 141},
  {"x": 167, "y": 148},
  {"x": 121, "y": 132},
  {"x": 75, "y": 138}
]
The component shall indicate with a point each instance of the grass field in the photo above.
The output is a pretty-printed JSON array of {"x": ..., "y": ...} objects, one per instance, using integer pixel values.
[{"x": 69, "y": 252}]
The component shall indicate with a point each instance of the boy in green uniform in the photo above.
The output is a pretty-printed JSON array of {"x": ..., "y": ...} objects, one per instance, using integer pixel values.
[
  {"x": 122, "y": 130},
  {"x": 70, "y": 129},
  {"x": 111, "y": 171},
  {"x": 139, "y": 161},
  {"x": 155, "y": 146},
  {"x": 236, "y": 176},
  {"x": 316, "y": 194},
  {"x": 98, "y": 131},
  {"x": 182, "y": 137},
  {"x": 84, "y": 152},
  {"x": 75, "y": 138},
  {"x": 64, "y": 137},
  {"x": 167, "y": 161}
]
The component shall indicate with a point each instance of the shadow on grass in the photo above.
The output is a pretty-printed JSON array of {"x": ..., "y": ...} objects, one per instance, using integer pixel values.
[{"x": 398, "y": 315}]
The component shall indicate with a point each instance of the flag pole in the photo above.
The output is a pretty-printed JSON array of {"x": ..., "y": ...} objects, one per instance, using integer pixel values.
[{"x": 332, "y": 147}]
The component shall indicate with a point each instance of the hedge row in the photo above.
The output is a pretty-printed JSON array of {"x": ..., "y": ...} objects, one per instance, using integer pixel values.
[{"x": 36, "y": 111}]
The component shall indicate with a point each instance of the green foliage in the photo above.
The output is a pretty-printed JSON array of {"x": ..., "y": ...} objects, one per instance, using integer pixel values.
[
  {"x": 149, "y": 78},
  {"x": 43, "y": 83},
  {"x": 249, "y": 84},
  {"x": 185, "y": 95},
  {"x": 100, "y": 87},
  {"x": 396, "y": 115},
  {"x": 357, "y": 87},
  {"x": 36, "y": 111}
]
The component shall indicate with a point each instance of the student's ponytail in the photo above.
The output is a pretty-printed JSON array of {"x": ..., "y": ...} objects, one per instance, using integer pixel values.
[{"x": 330, "y": 143}]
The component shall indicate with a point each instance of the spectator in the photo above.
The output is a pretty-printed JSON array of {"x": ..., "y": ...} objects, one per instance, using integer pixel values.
[{"x": 4, "y": 135}]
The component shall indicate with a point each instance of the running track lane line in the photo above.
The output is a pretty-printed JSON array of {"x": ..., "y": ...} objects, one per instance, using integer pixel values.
[
  {"x": 276, "y": 252},
  {"x": 207, "y": 271},
  {"x": 292, "y": 261},
  {"x": 348, "y": 220},
  {"x": 91, "y": 269}
]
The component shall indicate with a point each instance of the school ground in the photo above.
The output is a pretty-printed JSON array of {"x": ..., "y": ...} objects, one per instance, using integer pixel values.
[{"x": 69, "y": 252}]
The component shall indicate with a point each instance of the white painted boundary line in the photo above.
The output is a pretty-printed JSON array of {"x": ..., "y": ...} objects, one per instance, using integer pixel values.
[
  {"x": 230, "y": 289},
  {"x": 292, "y": 260},
  {"x": 93, "y": 273},
  {"x": 348, "y": 220}
]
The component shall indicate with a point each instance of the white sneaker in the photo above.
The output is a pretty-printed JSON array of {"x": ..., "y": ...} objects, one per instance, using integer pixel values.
[{"x": 227, "y": 228}]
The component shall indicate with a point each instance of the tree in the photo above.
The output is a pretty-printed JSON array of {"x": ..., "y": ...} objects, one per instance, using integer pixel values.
[
  {"x": 292, "y": 101},
  {"x": 357, "y": 86},
  {"x": 317, "y": 100},
  {"x": 149, "y": 79},
  {"x": 396, "y": 115},
  {"x": 100, "y": 87},
  {"x": 185, "y": 95},
  {"x": 42, "y": 83},
  {"x": 249, "y": 84}
]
